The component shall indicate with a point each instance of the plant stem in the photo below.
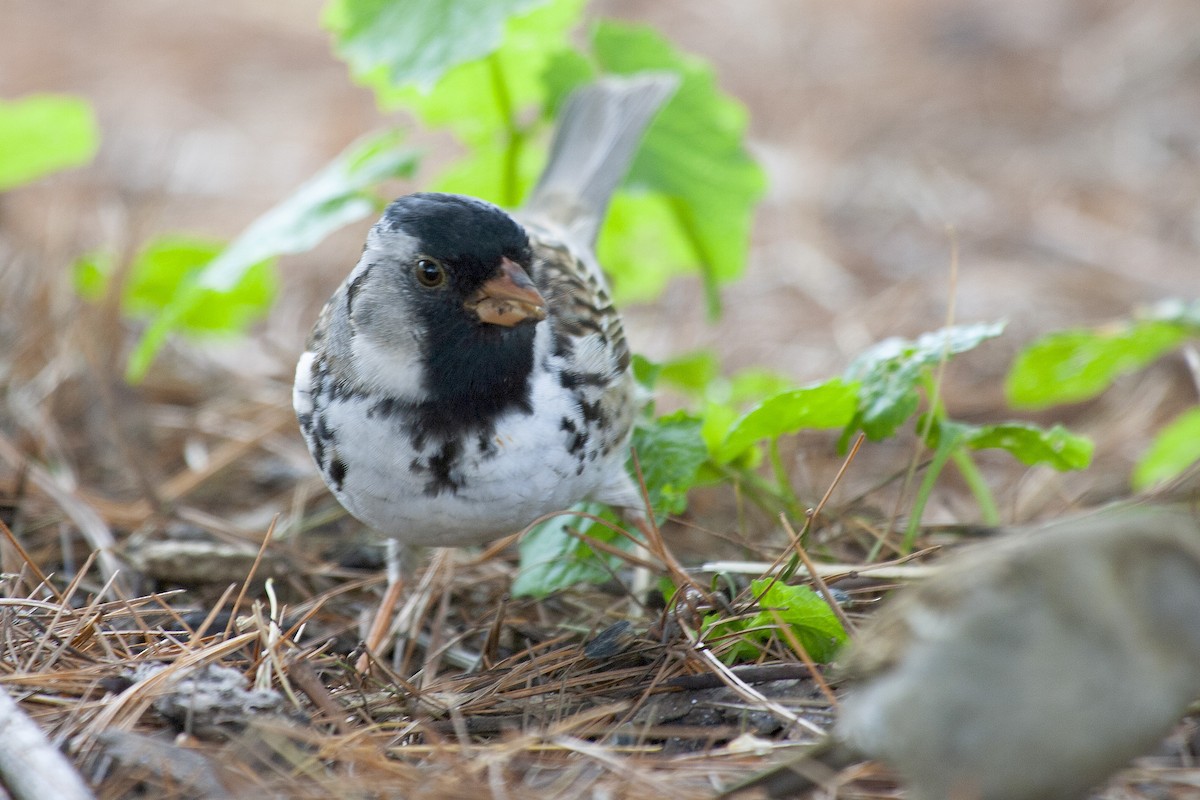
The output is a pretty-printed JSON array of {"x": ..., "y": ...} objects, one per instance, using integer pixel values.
[
  {"x": 988, "y": 510},
  {"x": 978, "y": 486},
  {"x": 755, "y": 488},
  {"x": 514, "y": 136},
  {"x": 783, "y": 482},
  {"x": 945, "y": 450}
]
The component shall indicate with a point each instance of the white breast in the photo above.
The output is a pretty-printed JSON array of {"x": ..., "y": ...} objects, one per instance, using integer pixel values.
[{"x": 521, "y": 472}]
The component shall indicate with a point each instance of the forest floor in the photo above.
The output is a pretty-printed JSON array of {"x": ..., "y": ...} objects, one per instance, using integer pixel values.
[{"x": 1051, "y": 144}]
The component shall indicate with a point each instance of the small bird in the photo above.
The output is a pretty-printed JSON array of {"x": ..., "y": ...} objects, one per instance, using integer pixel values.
[
  {"x": 471, "y": 374},
  {"x": 1029, "y": 668}
]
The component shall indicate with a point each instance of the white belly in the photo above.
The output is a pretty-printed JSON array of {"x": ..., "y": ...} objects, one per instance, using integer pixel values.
[{"x": 494, "y": 487}]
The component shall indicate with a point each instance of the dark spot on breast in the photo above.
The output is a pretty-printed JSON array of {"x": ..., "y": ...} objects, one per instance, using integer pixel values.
[
  {"x": 487, "y": 445},
  {"x": 388, "y": 407},
  {"x": 441, "y": 466},
  {"x": 591, "y": 411},
  {"x": 563, "y": 348},
  {"x": 571, "y": 380},
  {"x": 576, "y": 439},
  {"x": 337, "y": 472},
  {"x": 577, "y": 442},
  {"x": 319, "y": 436}
]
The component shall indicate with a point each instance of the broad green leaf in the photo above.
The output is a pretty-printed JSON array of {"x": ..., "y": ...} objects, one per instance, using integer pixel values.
[
  {"x": 1174, "y": 449},
  {"x": 395, "y": 42},
  {"x": 335, "y": 196},
  {"x": 486, "y": 103},
  {"x": 824, "y": 405},
  {"x": 890, "y": 371},
  {"x": 486, "y": 172},
  {"x": 693, "y": 153},
  {"x": 805, "y": 612},
  {"x": 808, "y": 614},
  {"x": 718, "y": 419},
  {"x": 1076, "y": 365},
  {"x": 44, "y": 133},
  {"x": 754, "y": 384},
  {"x": 645, "y": 371},
  {"x": 693, "y": 372},
  {"x": 565, "y": 70},
  {"x": 1056, "y": 447},
  {"x": 552, "y": 559},
  {"x": 167, "y": 264},
  {"x": 484, "y": 95},
  {"x": 91, "y": 272},
  {"x": 670, "y": 451},
  {"x": 642, "y": 246}
]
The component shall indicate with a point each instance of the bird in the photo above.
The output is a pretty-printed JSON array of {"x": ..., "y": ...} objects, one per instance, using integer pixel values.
[
  {"x": 471, "y": 374},
  {"x": 1028, "y": 668}
]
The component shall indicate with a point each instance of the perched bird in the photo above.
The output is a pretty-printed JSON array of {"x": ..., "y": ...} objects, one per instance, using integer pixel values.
[
  {"x": 1033, "y": 667},
  {"x": 471, "y": 374}
]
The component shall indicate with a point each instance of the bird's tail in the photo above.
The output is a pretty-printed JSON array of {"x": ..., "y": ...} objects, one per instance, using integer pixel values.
[{"x": 599, "y": 130}]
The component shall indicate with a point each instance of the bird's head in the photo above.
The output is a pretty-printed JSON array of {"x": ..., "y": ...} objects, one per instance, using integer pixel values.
[{"x": 442, "y": 302}]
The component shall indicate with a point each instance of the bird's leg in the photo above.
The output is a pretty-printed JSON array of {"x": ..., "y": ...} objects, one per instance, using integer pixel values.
[{"x": 398, "y": 565}]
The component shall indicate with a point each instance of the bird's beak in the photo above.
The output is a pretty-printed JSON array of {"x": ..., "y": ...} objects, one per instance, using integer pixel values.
[{"x": 509, "y": 298}]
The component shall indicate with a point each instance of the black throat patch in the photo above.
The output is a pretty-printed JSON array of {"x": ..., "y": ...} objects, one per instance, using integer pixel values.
[{"x": 470, "y": 385}]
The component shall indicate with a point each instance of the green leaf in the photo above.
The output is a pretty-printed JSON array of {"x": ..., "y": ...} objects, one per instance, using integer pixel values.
[
  {"x": 332, "y": 198},
  {"x": 718, "y": 418},
  {"x": 752, "y": 385},
  {"x": 645, "y": 372},
  {"x": 671, "y": 451},
  {"x": 169, "y": 263},
  {"x": 394, "y": 42},
  {"x": 486, "y": 103},
  {"x": 91, "y": 273},
  {"x": 565, "y": 71},
  {"x": 484, "y": 172},
  {"x": 44, "y": 133},
  {"x": 1174, "y": 449},
  {"x": 1076, "y": 365},
  {"x": 805, "y": 612},
  {"x": 693, "y": 156},
  {"x": 808, "y": 614},
  {"x": 526, "y": 38},
  {"x": 890, "y": 371},
  {"x": 693, "y": 372},
  {"x": 552, "y": 559},
  {"x": 824, "y": 405},
  {"x": 643, "y": 246},
  {"x": 1031, "y": 444}
]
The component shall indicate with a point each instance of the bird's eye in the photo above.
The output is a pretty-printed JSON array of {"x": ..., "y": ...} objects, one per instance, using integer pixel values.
[{"x": 430, "y": 273}]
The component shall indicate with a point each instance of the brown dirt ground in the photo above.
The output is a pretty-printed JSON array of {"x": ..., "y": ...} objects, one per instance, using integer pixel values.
[{"x": 1055, "y": 142}]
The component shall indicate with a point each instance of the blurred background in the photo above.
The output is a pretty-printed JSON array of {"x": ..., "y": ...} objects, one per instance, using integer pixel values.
[{"x": 1053, "y": 143}]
